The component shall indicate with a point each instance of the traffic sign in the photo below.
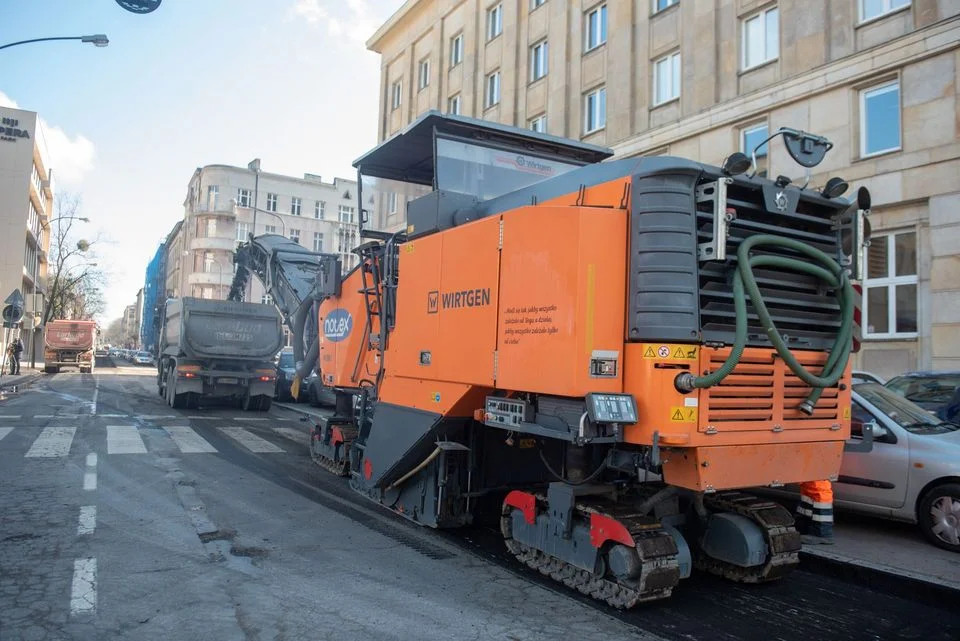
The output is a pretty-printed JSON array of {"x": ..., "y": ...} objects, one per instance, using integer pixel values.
[
  {"x": 12, "y": 314},
  {"x": 15, "y": 298}
]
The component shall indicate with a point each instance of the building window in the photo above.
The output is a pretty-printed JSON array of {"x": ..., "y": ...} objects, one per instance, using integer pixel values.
[
  {"x": 453, "y": 105},
  {"x": 493, "y": 90},
  {"x": 660, "y": 5},
  {"x": 213, "y": 192},
  {"x": 266, "y": 299},
  {"x": 319, "y": 208},
  {"x": 396, "y": 92},
  {"x": 870, "y": 9},
  {"x": 271, "y": 202},
  {"x": 295, "y": 235},
  {"x": 392, "y": 202},
  {"x": 666, "y": 79},
  {"x": 456, "y": 50},
  {"x": 423, "y": 74},
  {"x": 317, "y": 242},
  {"x": 595, "y": 110},
  {"x": 536, "y": 3},
  {"x": 494, "y": 22},
  {"x": 890, "y": 288},
  {"x": 270, "y": 229},
  {"x": 345, "y": 214},
  {"x": 539, "y": 124},
  {"x": 243, "y": 197},
  {"x": 243, "y": 230},
  {"x": 211, "y": 231},
  {"x": 760, "y": 35},
  {"x": 538, "y": 60},
  {"x": 295, "y": 206},
  {"x": 880, "y": 119},
  {"x": 752, "y": 136},
  {"x": 596, "y": 28},
  {"x": 345, "y": 241}
]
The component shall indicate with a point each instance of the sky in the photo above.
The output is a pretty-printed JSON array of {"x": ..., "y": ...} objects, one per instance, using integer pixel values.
[{"x": 195, "y": 82}]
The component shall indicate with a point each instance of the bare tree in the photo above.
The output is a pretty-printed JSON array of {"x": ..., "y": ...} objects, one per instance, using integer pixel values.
[
  {"x": 114, "y": 332},
  {"x": 74, "y": 285}
]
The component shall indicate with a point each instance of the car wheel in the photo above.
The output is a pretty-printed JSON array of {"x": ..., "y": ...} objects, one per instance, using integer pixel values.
[{"x": 939, "y": 516}]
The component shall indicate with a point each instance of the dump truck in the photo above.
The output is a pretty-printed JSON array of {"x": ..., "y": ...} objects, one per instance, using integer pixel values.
[
  {"x": 599, "y": 357},
  {"x": 218, "y": 349},
  {"x": 69, "y": 343}
]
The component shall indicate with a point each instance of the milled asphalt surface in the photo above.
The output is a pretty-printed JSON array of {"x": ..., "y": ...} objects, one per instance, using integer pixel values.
[{"x": 234, "y": 543}]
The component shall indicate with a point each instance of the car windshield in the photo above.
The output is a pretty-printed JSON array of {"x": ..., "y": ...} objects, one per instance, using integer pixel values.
[
  {"x": 286, "y": 360},
  {"x": 935, "y": 388},
  {"x": 144, "y": 354},
  {"x": 903, "y": 412}
]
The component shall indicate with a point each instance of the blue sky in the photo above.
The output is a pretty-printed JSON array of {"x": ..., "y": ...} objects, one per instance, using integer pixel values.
[{"x": 193, "y": 83}]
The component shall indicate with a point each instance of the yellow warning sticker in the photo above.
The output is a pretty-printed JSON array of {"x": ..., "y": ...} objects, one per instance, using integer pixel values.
[
  {"x": 846, "y": 412},
  {"x": 671, "y": 351},
  {"x": 683, "y": 414}
]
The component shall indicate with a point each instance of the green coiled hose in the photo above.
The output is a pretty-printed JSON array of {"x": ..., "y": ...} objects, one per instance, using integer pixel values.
[{"x": 822, "y": 267}]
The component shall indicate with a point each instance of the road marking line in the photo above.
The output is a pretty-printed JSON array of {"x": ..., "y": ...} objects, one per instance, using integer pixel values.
[
  {"x": 293, "y": 434},
  {"x": 4, "y": 431},
  {"x": 250, "y": 441},
  {"x": 96, "y": 393},
  {"x": 124, "y": 439},
  {"x": 250, "y": 419},
  {"x": 155, "y": 416},
  {"x": 90, "y": 476},
  {"x": 83, "y": 594},
  {"x": 188, "y": 441},
  {"x": 88, "y": 520},
  {"x": 53, "y": 441},
  {"x": 9, "y": 417},
  {"x": 43, "y": 416},
  {"x": 113, "y": 415}
]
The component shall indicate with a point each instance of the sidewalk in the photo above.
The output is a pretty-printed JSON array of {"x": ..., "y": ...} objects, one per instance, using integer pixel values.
[
  {"x": 888, "y": 555},
  {"x": 26, "y": 375}
]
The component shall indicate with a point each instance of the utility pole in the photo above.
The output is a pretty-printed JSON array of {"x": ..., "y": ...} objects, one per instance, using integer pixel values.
[{"x": 254, "y": 166}]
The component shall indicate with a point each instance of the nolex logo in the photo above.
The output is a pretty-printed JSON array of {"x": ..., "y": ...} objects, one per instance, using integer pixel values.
[{"x": 337, "y": 325}]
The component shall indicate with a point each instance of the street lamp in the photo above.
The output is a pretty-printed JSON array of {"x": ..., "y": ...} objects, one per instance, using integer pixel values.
[
  {"x": 97, "y": 40},
  {"x": 82, "y": 219}
]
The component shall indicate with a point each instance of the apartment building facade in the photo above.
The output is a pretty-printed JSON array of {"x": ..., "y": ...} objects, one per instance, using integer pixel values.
[
  {"x": 26, "y": 209},
  {"x": 879, "y": 78},
  {"x": 225, "y": 205}
]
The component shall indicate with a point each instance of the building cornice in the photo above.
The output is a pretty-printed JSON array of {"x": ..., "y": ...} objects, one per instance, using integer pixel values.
[
  {"x": 923, "y": 43},
  {"x": 373, "y": 44}
]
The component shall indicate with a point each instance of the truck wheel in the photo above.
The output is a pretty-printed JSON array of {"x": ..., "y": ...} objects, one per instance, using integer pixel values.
[
  {"x": 50, "y": 370},
  {"x": 265, "y": 403}
]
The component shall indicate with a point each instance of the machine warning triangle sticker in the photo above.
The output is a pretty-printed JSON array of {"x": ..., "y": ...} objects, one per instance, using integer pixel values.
[
  {"x": 649, "y": 353},
  {"x": 677, "y": 415}
]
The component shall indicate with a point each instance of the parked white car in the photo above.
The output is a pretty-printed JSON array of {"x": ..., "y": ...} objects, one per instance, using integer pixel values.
[{"x": 143, "y": 358}]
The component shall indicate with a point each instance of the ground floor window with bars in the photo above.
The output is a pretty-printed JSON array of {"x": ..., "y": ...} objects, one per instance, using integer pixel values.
[{"x": 890, "y": 287}]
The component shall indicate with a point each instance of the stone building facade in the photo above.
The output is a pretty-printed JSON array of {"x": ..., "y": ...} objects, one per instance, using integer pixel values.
[{"x": 700, "y": 79}]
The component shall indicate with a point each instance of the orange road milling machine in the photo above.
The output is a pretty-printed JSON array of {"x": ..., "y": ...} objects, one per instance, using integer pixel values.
[{"x": 599, "y": 354}]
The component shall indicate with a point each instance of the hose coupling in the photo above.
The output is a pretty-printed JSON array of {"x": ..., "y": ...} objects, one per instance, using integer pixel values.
[
  {"x": 685, "y": 382},
  {"x": 806, "y": 407}
]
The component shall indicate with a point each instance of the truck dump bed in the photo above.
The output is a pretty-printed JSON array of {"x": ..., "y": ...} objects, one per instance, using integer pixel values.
[
  {"x": 216, "y": 329},
  {"x": 70, "y": 335}
]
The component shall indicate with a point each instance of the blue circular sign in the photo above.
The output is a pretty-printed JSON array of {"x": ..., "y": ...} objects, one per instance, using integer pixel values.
[{"x": 337, "y": 325}]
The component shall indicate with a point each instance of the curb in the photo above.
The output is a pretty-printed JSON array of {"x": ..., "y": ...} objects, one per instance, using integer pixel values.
[
  {"x": 20, "y": 380},
  {"x": 908, "y": 585}
]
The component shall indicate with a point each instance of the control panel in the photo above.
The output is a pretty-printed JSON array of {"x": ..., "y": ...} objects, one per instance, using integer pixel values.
[
  {"x": 506, "y": 412},
  {"x": 612, "y": 408}
]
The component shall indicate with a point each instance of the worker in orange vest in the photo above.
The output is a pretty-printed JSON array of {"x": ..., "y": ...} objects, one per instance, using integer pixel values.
[{"x": 815, "y": 513}]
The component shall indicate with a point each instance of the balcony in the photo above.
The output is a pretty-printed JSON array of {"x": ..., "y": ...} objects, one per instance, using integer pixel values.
[
  {"x": 203, "y": 209},
  {"x": 211, "y": 278},
  {"x": 213, "y": 243}
]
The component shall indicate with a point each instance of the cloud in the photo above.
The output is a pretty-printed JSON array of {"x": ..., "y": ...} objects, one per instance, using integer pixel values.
[
  {"x": 70, "y": 157},
  {"x": 357, "y": 23}
]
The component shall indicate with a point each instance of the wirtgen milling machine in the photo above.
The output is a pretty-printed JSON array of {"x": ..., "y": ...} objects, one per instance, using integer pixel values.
[{"x": 606, "y": 352}]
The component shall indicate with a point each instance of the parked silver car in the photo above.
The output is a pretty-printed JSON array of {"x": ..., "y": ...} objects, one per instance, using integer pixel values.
[{"x": 913, "y": 471}]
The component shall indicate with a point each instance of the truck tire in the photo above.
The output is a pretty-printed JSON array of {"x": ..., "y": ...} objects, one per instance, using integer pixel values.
[
  {"x": 258, "y": 403},
  {"x": 50, "y": 369}
]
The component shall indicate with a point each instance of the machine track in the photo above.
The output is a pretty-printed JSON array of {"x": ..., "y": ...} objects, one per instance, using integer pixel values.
[
  {"x": 782, "y": 538},
  {"x": 329, "y": 453},
  {"x": 660, "y": 571}
]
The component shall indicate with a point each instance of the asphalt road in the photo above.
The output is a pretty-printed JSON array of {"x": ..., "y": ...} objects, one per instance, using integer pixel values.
[{"x": 125, "y": 519}]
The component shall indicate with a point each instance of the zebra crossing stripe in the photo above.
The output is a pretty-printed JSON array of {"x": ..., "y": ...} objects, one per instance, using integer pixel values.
[
  {"x": 189, "y": 441},
  {"x": 4, "y": 431},
  {"x": 124, "y": 439},
  {"x": 250, "y": 441},
  {"x": 52, "y": 442}
]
